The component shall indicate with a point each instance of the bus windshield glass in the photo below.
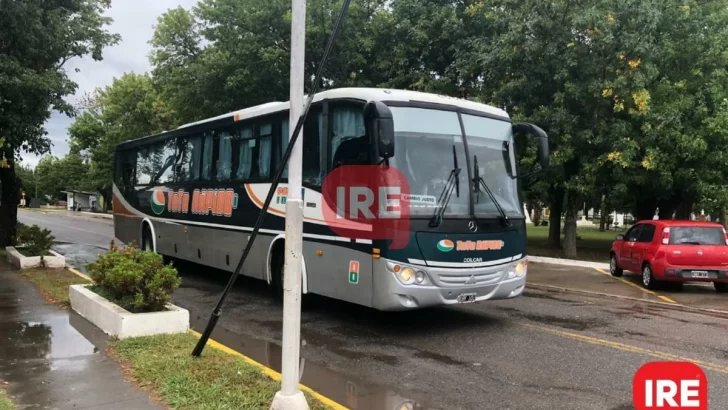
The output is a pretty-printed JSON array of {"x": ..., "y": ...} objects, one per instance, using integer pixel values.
[
  {"x": 425, "y": 141},
  {"x": 491, "y": 142}
]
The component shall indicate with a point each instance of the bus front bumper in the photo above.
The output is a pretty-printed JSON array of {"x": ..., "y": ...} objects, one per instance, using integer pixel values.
[{"x": 446, "y": 286}]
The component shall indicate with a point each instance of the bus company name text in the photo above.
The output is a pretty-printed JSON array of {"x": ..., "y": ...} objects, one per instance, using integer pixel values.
[
  {"x": 481, "y": 245},
  {"x": 216, "y": 202}
]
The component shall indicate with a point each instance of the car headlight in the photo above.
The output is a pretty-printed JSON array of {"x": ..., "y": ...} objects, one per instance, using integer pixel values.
[{"x": 517, "y": 270}]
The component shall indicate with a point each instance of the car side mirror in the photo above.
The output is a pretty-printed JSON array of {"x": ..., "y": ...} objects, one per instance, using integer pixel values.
[
  {"x": 380, "y": 127},
  {"x": 542, "y": 141},
  {"x": 620, "y": 237}
]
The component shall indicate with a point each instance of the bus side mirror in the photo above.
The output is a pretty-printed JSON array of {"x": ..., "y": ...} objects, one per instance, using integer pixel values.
[
  {"x": 542, "y": 141},
  {"x": 380, "y": 126}
]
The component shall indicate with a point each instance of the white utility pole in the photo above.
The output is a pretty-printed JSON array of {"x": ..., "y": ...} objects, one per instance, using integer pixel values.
[{"x": 290, "y": 397}]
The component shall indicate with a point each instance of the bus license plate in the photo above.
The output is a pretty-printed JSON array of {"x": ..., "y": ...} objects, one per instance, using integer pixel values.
[
  {"x": 700, "y": 274},
  {"x": 467, "y": 298}
]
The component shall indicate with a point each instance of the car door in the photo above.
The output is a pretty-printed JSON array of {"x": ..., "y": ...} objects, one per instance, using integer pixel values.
[
  {"x": 630, "y": 239},
  {"x": 643, "y": 244}
]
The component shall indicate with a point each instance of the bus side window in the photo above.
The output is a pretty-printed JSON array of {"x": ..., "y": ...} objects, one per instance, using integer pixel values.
[
  {"x": 245, "y": 147},
  {"x": 188, "y": 159},
  {"x": 265, "y": 143},
  {"x": 225, "y": 156},
  {"x": 283, "y": 144},
  {"x": 208, "y": 153},
  {"x": 347, "y": 123},
  {"x": 312, "y": 132}
]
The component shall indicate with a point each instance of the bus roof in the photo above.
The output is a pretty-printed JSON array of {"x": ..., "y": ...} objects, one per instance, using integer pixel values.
[{"x": 364, "y": 94}]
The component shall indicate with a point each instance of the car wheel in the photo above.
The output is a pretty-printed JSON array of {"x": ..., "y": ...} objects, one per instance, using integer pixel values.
[
  {"x": 648, "y": 279},
  {"x": 721, "y": 287},
  {"x": 614, "y": 269}
]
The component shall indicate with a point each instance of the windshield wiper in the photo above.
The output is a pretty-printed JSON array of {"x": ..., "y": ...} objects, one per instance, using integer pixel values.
[
  {"x": 453, "y": 181},
  {"x": 479, "y": 182}
]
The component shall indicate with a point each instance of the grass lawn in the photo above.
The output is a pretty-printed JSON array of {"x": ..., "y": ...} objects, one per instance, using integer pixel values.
[
  {"x": 593, "y": 245},
  {"x": 5, "y": 403},
  {"x": 164, "y": 366},
  {"x": 53, "y": 283}
]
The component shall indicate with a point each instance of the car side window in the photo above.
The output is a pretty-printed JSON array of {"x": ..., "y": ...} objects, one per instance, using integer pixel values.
[
  {"x": 647, "y": 233},
  {"x": 633, "y": 233}
]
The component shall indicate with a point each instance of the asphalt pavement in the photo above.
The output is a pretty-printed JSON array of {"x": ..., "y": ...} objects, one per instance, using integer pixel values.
[{"x": 540, "y": 351}]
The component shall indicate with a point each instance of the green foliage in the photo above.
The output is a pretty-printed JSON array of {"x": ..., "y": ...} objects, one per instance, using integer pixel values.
[
  {"x": 136, "y": 280},
  {"x": 36, "y": 241},
  {"x": 56, "y": 175}
]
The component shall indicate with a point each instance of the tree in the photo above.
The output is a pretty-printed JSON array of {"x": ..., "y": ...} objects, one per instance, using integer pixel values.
[
  {"x": 129, "y": 108},
  {"x": 36, "y": 39}
]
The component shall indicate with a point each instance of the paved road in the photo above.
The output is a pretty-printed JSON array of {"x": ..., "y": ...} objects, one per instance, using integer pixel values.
[{"x": 540, "y": 351}]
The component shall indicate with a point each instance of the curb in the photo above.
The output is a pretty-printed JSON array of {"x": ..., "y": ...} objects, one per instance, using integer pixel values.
[
  {"x": 78, "y": 273},
  {"x": 672, "y": 306},
  {"x": 271, "y": 373},
  {"x": 568, "y": 262}
]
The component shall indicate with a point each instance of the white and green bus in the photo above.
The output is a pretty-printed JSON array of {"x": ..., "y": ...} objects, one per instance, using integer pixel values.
[{"x": 194, "y": 193}]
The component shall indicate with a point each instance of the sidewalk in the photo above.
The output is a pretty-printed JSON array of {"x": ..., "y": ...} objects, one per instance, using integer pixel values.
[{"x": 54, "y": 359}]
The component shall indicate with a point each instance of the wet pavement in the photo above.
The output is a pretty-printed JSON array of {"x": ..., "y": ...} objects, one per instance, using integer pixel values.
[
  {"x": 54, "y": 359},
  {"x": 694, "y": 294},
  {"x": 540, "y": 351}
]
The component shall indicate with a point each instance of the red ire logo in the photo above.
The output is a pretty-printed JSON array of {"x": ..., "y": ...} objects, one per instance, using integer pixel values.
[
  {"x": 365, "y": 202},
  {"x": 670, "y": 385}
]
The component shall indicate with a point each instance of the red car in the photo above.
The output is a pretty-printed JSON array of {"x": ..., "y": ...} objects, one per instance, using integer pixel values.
[{"x": 673, "y": 251}]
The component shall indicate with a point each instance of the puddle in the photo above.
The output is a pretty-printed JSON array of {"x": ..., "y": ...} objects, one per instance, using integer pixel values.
[
  {"x": 563, "y": 322},
  {"x": 78, "y": 255},
  {"x": 350, "y": 392},
  {"x": 422, "y": 354}
]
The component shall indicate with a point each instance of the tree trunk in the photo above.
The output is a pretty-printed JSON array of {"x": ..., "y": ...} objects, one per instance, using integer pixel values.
[
  {"x": 721, "y": 216},
  {"x": 536, "y": 218},
  {"x": 557, "y": 206},
  {"x": 683, "y": 211},
  {"x": 666, "y": 209},
  {"x": 570, "y": 229},
  {"x": 644, "y": 209},
  {"x": 603, "y": 214},
  {"x": 10, "y": 198}
]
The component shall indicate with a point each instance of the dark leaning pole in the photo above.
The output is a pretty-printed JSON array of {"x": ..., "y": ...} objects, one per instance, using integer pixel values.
[{"x": 217, "y": 311}]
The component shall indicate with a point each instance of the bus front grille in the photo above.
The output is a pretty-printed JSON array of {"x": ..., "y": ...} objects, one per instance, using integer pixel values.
[{"x": 469, "y": 278}]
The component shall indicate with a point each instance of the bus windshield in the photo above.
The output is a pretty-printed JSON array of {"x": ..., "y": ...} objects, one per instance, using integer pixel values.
[{"x": 426, "y": 140}]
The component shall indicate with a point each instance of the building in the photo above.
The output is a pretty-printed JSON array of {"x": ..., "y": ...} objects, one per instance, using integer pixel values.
[{"x": 81, "y": 200}]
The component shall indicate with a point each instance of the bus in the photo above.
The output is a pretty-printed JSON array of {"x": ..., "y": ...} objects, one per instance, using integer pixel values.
[{"x": 193, "y": 193}]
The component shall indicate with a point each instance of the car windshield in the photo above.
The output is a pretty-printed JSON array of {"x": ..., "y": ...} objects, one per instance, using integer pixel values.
[
  {"x": 425, "y": 140},
  {"x": 694, "y": 235}
]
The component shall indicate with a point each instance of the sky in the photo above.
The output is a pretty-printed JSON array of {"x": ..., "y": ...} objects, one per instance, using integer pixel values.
[{"x": 134, "y": 20}]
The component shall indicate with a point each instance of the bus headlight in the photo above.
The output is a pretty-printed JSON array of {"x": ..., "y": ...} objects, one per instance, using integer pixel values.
[
  {"x": 407, "y": 275},
  {"x": 517, "y": 270},
  {"x": 420, "y": 277}
]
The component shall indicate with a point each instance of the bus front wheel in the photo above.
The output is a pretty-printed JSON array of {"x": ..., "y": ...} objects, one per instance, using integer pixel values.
[{"x": 147, "y": 243}]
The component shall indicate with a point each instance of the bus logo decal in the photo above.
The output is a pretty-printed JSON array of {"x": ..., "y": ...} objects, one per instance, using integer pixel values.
[
  {"x": 216, "y": 202},
  {"x": 445, "y": 245},
  {"x": 158, "y": 201}
]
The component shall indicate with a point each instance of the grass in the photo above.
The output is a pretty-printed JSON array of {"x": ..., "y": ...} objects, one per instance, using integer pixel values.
[
  {"x": 53, "y": 283},
  {"x": 29, "y": 254},
  {"x": 164, "y": 366},
  {"x": 5, "y": 403},
  {"x": 593, "y": 245}
]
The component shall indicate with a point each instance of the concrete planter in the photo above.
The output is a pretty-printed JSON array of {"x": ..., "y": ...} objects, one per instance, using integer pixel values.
[
  {"x": 20, "y": 261},
  {"x": 117, "y": 321}
]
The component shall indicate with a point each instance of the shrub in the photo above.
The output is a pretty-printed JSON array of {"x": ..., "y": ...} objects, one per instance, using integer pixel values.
[
  {"x": 34, "y": 240},
  {"x": 136, "y": 280}
]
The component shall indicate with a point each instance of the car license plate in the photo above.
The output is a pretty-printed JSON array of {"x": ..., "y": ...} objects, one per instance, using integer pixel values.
[
  {"x": 467, "y": 298},
  {"x": 700, "y": 274}
]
